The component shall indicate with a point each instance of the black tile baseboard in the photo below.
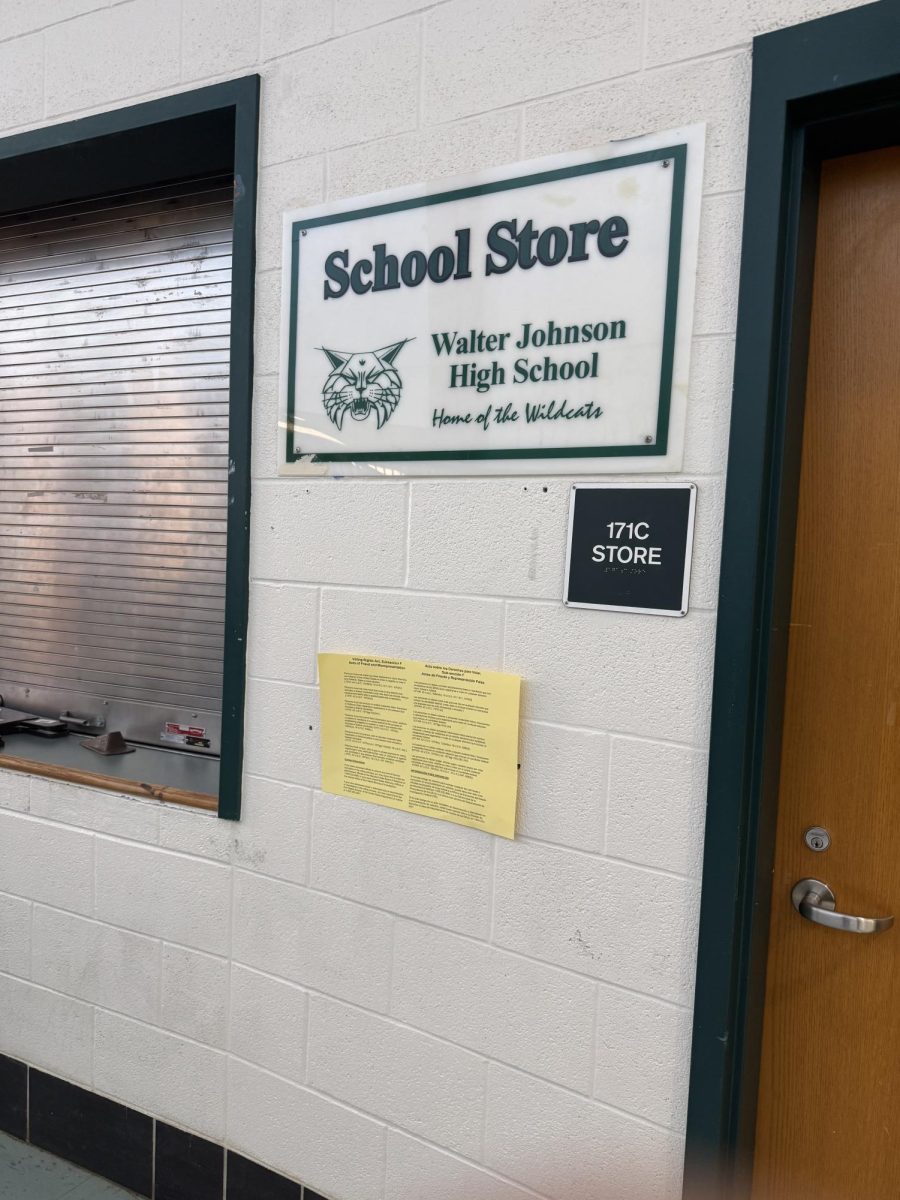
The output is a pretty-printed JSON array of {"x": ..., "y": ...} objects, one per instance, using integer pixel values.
[
  {"x": 249, "y": 1181},
  {"x": 13, "y": 1097},
  {"x": 187, "y": 1167},
  {"x": 92, "y": 1132},
  {"x": 127, "y": 1147}
]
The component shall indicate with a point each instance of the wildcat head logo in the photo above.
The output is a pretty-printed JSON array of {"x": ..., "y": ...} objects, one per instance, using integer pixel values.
[{"x": 362, "y": 384}]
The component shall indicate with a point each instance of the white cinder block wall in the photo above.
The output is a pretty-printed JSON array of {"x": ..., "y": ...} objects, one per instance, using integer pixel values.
[{"x": 387, "y": 1007}]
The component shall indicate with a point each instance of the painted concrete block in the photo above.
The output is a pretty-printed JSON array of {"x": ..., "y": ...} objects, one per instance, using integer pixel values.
[
  {"x": 96, "y": 962},
  {"x": 283, "y": 186},
  {"x": 525, "y": 1013},
  {"x": 15, "y": 791},
  {"x": 406, "y": 1078},
  {"x": 288, "y": 26},
  {"x": 615, "y": 671},
  {"x": 406, "y": 863},
  {"x": 334, "y": 946},
  {"x": 678, "y": 30},
  {"x": 709, "y": 405},
  {"x": 718, "y": 265},
  {"x": 281, "y": 732},
  {"x": 415, "y": 1170},
  {"x": 21, "y": 69},
  {"x": 45, "y": 1029},
  {"x": 435, "y": 152},
  {"x": 111, "y": 54},
  {"x": 268, "y": 1020},
  {"x": 716, "y": 91},
  {"x": 235, "y": 46},
  {"x": 283, "y": 627},
  {"x": 330, "y": 532},
  {"x": 273, "y": 836},
  {"x": 328, "y": 1146},
  {"x": 165, "y": 895},
  {"x": 106, "y": 812},
  {"x": 357, "y": 14},
  {"x": 563, "y": 785},
  {"x": 46, "y": 862},
  {"x": 489, "y": 537},
  {"x": 24, "y": 16},
  {"x": 412, "y": 625},
  {"x": 657, "y": 805},
  {"x": 174, "y": 1079},
  {"x": 624, "y": 924},
  {"x": 562, "y": 1145},
  {"x": 540, "y": 54},
  {"x": 195, "y": 995},
  {"x": 303, "y": 112},
  {"x": 15, "y": 936},
  {"x": 643, "y": 1053}
]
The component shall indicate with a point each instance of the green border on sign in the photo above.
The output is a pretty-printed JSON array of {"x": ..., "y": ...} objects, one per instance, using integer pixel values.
[{"x": 676, "y": 154}]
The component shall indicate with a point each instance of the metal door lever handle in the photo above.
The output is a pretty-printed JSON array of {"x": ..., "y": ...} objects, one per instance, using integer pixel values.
[{"x": 814, "y": 900}]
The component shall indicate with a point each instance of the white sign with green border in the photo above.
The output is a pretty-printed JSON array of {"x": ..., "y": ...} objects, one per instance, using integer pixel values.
[{"x": 531, "y": 319}]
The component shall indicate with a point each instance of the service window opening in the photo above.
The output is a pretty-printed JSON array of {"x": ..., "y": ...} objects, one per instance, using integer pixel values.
[{"x": 114, "y": 424}]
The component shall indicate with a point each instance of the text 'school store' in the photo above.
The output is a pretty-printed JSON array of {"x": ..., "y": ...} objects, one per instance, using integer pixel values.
[{"x": 449, "y": 597}]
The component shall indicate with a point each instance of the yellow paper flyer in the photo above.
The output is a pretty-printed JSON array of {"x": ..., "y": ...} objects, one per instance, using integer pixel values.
[{"x": 432, "y": 739}]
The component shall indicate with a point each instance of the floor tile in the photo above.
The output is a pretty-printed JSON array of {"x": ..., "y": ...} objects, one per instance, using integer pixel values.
[
  {"x": 27, "y": 1173},
  {"x": 97, "y": 1189}
]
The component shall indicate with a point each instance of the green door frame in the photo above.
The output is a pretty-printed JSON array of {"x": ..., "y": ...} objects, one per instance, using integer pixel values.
[{"x": 821, "y": 89}]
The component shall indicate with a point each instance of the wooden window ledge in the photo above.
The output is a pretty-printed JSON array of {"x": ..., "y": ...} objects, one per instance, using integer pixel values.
[{"x": 166, "y": 775}]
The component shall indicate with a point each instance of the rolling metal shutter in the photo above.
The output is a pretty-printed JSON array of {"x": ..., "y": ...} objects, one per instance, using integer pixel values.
[{"x": 114, "y": 347}]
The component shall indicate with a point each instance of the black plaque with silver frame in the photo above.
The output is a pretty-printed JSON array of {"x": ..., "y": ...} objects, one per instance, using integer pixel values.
[{"x": 629, "y": 547}]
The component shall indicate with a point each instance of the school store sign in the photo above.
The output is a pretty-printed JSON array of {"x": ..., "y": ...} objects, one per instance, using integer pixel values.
[{"x": 536, "y": 318}]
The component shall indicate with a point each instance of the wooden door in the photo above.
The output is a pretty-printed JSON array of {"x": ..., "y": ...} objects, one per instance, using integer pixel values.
[{"x": 829, "y": 1103}]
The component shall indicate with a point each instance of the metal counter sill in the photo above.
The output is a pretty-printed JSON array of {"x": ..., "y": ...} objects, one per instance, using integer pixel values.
[{"x": 166, "y": 775}]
